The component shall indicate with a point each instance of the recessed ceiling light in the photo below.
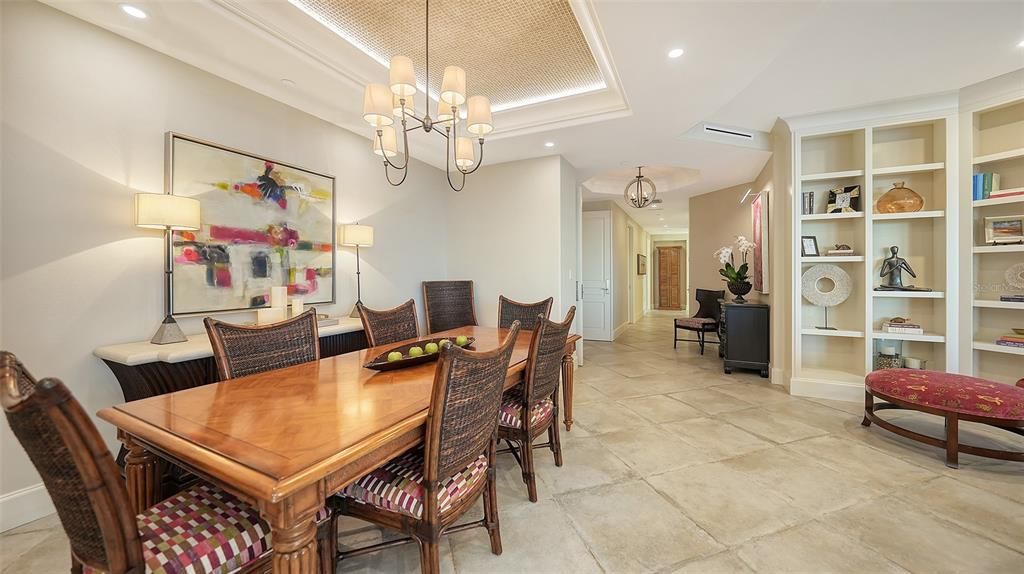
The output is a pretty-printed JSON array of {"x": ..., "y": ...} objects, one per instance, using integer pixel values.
[
  {"x": 133, "y": 11},
  {"x": 675, "y": 52},
  {"x": 549, "y": 144},
  {"x": 288, "y": 82}
]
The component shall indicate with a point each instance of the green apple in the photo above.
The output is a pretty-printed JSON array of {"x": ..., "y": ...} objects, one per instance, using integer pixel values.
[
  {"x": 443, "y": 342},
  {"x": 461, "y": 340},
  {"x": 394, "y": 356},
  {"x": 415, "y": 351},
  {"x": 430, "y": 348}
]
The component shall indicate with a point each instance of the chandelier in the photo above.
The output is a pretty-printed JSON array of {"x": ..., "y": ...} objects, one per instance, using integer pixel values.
[
  {"x": 640, "y": 191},
  {"x": 382, "y": 104}
]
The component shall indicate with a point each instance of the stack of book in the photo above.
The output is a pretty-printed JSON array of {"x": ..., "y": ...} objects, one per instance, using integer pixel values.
[
  {"x": 840, "y": 252},
  {"x": 1012, "y": 298},
  {"x": 986, "y": 186},
  {"x": 905, "y": 328},
  {"x": 1015, "y": 341}
]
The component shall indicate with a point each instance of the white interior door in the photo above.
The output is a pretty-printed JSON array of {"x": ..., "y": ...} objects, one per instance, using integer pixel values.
[{"x": 597, "y": 275}]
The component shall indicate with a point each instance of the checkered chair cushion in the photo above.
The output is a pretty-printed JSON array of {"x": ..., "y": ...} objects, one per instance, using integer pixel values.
[
  {"x": 202, "y": 530},
  {"x": 398, "y": 485},
  {"x": 695, "y": 323},
  {"x": 511, "y": 413}
]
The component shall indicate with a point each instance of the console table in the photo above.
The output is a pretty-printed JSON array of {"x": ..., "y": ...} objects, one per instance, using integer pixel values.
[
  {"x": 745, "y": 336},
  {"x": 146, "y": 370}
]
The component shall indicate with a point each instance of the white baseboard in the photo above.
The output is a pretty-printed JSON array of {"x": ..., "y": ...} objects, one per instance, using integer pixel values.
[
  {"x": 24, "y": 505},
  {"x": 778, "y": 377},
  {"x": 618, "y": 330},
  {"x": 834, "y": 390}
]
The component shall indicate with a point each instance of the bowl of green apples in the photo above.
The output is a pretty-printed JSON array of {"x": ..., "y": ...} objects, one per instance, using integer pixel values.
[{"x": 415, "y": 353}]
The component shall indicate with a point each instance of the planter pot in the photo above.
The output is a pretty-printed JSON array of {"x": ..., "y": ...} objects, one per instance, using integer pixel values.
[{"x": 739, "y": 289}]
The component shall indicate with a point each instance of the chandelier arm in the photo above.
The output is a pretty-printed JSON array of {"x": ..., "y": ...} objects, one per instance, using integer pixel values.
[
  {"x": 405, "y": 139},
  {"x": 387, "y": 175},
  {"x": 448, "y": 166},
  {"x": 479, "y": 160}
]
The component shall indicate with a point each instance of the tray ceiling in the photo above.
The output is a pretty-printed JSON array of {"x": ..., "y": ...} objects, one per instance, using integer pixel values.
[{"x": 516, "y": 53}]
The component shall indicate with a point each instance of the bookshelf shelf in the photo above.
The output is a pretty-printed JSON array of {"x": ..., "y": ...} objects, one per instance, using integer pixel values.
[
  {"x": 917, "y": 168},
  {"x": 999, "y": 156},
  {"x": 988, "y": 304},
  {"x": 828, "y": 216},
  {"x": 1001, "y": 200},
  {"x": 833, "y": 259},
  {"x": 913, "y": 215},
  {"x": 910, "y": 294},
  {"x": 837, "y": 333},
  {"x": 979, "y": 249},
  {"x": 832, "y": 175},
  {"x": 994, "y": 348},
  {"x": 925, "y": 337}
]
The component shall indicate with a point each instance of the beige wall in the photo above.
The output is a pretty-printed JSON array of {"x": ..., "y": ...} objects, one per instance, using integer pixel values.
[{"x": 716, "y": 218}]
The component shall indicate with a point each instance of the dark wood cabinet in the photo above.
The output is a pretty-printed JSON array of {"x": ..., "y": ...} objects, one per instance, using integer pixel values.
[{"x": 745, "y": 333}]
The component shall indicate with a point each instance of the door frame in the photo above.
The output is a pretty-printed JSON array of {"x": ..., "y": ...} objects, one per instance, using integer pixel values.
[
  {"x": 606, "y": 217},
  {"x": 630, "y": 274}
]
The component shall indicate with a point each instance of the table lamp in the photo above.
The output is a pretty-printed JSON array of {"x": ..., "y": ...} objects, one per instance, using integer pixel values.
[
  {"x": 355, "y": 235},
  {"x": 168, "y": 213}
]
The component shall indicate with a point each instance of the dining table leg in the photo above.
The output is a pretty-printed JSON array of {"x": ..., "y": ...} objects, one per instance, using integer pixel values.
[
  {"x": 293, "y": 531},
  {"x": 567, "y": 384},
  {"x": 140, "y": 475}
]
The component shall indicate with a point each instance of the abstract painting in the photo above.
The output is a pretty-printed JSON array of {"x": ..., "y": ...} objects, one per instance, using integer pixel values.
[
  {"x": 264, "y": 223},
  {"x": 759, "y": 225}
]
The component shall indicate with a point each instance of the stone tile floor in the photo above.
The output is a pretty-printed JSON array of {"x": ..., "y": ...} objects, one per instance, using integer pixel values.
[{"x": 675, "y": 467}]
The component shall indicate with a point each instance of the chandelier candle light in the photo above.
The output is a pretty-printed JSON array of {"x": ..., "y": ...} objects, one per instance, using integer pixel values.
[
  {"x": 381, "y": 105},
  {"x": 640, "y": 192}
]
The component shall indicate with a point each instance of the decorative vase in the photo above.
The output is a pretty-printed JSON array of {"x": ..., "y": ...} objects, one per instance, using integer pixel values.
[
  {"x": 739, "y": 289},
  {"x": 899, "y": 199}
]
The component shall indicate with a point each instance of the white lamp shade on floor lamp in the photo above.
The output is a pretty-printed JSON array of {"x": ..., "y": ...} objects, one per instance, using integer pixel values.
[{"x": 355, "y": 235}]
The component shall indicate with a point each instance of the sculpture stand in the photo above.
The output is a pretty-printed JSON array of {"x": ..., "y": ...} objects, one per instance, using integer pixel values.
[{"x": 826, "y": 327}]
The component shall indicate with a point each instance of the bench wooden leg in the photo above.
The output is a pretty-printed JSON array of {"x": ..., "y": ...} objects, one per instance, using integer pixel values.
[
  {"x": 869, "y": 407},
  {"x": 952, "y": 440}
]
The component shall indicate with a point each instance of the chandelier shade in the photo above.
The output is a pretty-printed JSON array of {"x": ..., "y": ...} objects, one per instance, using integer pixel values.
[
  {"x": 387, "y": 141},
  {"x": 377, "y": 108},
  {"x": 479, "y": 120},
  {"x": 396, "y": 103},
  {"x": 444, "y": 112},
  {"x": 464, "y": 152},
  {"x": 640, "y": 191},
  {"x": 453, "y": 86},
  {"x": 402, "y": 76}
]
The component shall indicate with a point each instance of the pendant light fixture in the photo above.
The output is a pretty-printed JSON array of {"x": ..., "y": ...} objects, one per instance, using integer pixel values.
[
  {"x": 381, "y": 105},
  {"x": 640, "y": 191}
]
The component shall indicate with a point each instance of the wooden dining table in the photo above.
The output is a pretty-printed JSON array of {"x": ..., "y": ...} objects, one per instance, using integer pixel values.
[{"x": 285, "y": 440}]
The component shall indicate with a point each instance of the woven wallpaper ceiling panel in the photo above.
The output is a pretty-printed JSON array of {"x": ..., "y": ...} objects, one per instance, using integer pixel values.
[{"x": 516, "y": 52}]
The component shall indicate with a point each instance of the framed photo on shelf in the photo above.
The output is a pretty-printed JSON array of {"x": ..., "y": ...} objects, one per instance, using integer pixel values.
[
  {"x": 1004, "y": 229},
  {"x": 809, "y": 246},
  {"x": 844, "y": 200}
]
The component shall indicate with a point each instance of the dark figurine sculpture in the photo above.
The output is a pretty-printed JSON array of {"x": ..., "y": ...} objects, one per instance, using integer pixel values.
[{"x": 892, "y": 269}]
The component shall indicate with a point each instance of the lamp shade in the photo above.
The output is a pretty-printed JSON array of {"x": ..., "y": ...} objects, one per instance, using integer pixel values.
[
  {"x": 402, "y": 76},
  {"x": 444, "y": 112},
  {"x": 355, "y": 235},
  {"x": 390, "y": 142},
  {"x": 464, "y": 152},
  {"x": 377, "y": 105},
  {"x": 165, "y": 211},
  {"x": 396, "y": 104},
  {"x": 453, "y": 86},
  {"x": 479, "y": 115}
]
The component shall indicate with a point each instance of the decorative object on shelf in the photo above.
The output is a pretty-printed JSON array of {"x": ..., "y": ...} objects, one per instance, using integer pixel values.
[
  {"x": 264, "y": 224},
  {"x": 844, "y": 200},
  {"x": 899, "y": 199},
  {"x": 892, "y": 270},
  {"x": 381, "y": 102},
  {"x": 641, "y": 264},
  {"x": 902, "y": 325},
  {"x": 1015, "y": 276},
  {"x": 826, "y": 286},
  {"x": 640, "y": 191},
  {"x": 1012, "y": 298},
  {"x": 1018, "y": 330},
  {"x": 759, "y": 224},
  {"x": 1015, "y": 341},
  {"x": 356, "y": 235},
  {"x": 915, "y": 363},
  {"x": 985, "y": 185},
  {"x": 297, "y": 307},
  {"x": 735, "y": 278},
  {"x": 808, "y": 203},
  {"x": 168, "y": 213},
  {"x": 809, "y": 246},
  {"x": 888, "y": 354},
  {"x": 840, "y": 249},
  {"x": 278, "y": 310},
  {"x": 1004, "y": 229}
]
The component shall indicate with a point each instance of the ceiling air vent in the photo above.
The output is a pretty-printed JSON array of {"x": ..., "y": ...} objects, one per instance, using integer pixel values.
[{"x": 731, "y": 132}]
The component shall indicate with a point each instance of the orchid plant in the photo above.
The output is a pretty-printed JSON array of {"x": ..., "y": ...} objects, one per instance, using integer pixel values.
[{"x": 725, "y": 256}]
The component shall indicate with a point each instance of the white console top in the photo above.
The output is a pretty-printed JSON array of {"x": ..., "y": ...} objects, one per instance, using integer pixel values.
[{"x": 197, "y": 347}]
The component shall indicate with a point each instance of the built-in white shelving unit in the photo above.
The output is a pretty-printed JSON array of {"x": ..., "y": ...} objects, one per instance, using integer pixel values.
[
  {"x": 919, "y": 151},
  {"x": 992, "y": 133}
]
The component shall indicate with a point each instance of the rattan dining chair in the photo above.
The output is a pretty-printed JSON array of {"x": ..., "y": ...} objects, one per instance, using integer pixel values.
[
  {"x": 526, "y": 313},
  {"x": 201, "y": 530},
  {"x": 390, "y": 325},
  {"x": 241, "y": 350},
  {"x": 538, "y": 396},
  {"x": 448, "y": 305},
  {"x": 423, "y": 492}
]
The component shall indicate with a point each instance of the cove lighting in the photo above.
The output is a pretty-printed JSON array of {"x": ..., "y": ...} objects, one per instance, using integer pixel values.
[
  {"x": 1021, "y": 44},
  {"x": 133, "y": 11},
  {"x": 549, "y": 144},
  {"x": 675, "y": 52}
]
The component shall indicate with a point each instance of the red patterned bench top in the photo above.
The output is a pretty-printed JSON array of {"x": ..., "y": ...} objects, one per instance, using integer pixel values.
[{"x": 950, "y": 392}]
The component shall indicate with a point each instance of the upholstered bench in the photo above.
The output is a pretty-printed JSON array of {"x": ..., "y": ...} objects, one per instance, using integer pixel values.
[{"x": 954, "y": 397}]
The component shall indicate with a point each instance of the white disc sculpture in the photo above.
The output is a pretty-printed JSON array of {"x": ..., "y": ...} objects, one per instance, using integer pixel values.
[{"x": 825, "y": 286}]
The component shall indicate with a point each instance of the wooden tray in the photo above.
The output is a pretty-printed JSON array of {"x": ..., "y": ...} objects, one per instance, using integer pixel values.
[{"x": 380, "y": 362}]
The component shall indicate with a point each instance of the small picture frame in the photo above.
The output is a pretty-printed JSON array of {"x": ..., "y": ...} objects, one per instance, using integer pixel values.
[
  {"x": 641, "y": 264},
  {"x": 1004, "y": 229},
  {"x": 809, "y": 246}
]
